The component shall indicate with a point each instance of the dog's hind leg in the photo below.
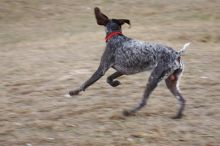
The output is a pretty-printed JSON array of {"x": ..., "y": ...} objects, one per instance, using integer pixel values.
[
  {"x": 172, "y": 85},
  {"x": 156, "y": 76},
  {"x": 110, "y": 79}
]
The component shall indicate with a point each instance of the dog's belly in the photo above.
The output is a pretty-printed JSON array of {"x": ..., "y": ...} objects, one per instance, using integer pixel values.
[
  {"x": 129, "y": 71},
  {"x": 129, "y": 67}
]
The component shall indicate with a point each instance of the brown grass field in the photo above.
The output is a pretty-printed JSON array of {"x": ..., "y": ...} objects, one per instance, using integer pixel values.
[{"x": 48, "y": 47}]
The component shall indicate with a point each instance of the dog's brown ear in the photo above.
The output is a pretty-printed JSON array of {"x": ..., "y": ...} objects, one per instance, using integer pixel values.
[
  {"x": 101, "y": 18},
  {"x": 123, "y": 21}
]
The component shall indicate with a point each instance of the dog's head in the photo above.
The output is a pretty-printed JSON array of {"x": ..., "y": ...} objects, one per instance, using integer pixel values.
[{"x": 110, "y": 24}]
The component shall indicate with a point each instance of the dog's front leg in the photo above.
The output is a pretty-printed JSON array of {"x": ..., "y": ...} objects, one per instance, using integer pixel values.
[
  {"x": 111, "y": 78},
  {"x": 97, "y": 75},
  {"x": 105, "y": 64}
]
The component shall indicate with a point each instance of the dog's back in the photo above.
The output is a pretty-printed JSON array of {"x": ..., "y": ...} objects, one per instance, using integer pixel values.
[{"x": 133, "y": 56}]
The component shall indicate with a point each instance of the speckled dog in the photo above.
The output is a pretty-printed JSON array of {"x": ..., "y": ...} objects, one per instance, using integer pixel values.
[{"x": 129, "y": 56}]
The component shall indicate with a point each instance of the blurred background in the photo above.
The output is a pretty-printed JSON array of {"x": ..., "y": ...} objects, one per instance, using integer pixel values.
[{"x": 48, "y": 47}]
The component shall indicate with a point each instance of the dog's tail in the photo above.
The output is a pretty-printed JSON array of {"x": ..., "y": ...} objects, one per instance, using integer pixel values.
[{"x": 182, "y": 51}]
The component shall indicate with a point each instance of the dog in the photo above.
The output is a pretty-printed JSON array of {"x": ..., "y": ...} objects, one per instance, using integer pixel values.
[{"x": 130, "y": 56}]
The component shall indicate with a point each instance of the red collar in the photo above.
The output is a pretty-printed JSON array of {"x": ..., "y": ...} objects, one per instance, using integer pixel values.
[{"x": 110, "y": 35}]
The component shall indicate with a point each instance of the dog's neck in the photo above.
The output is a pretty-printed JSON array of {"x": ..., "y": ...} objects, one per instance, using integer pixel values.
[{"x": 109, "y": 35}]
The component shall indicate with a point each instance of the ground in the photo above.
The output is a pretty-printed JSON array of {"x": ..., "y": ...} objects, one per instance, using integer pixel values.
[{"x": 50, "y": 47}]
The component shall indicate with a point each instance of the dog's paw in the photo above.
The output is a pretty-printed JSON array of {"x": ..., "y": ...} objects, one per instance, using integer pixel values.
[
  {"x": 115, "y": 83},
  {"x": 178, "y": 116},
  {"x": 128, "y": 113},
  {"x": 74, "y": 92}
]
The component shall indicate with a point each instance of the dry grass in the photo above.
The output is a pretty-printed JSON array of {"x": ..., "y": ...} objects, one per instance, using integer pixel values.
[{"x": 42, "y": 55}]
